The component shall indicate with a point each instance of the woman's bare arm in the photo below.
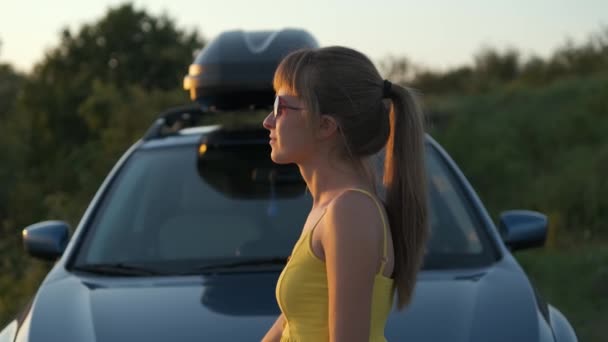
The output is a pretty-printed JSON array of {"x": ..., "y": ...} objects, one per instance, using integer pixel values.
[
  {"x": 351, "y": 239},
  {"x": 275, "y": 332}
]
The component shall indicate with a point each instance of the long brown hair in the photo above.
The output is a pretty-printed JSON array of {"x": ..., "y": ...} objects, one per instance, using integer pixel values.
[{"x": 345, "y": 84}]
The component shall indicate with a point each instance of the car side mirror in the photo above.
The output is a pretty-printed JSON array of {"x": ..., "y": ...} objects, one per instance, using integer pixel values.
[
  {"x": 46, "y": 240},
  {"x": 523, "y": 229}
]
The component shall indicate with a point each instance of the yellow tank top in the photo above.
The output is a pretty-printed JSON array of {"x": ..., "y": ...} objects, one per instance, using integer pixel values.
[{"x": 302, "y": 292}]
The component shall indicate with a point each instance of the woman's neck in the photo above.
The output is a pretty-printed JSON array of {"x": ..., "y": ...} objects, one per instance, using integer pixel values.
[{"x": 325, "y": 180}]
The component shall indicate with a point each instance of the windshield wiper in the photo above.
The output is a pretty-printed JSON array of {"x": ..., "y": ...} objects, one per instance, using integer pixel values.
[
  {"x": 119, "y": 268},
  {"x": 210, "y": 268}
]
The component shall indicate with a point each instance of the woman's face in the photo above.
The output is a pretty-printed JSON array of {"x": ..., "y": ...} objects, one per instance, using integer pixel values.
[{"x": 291, "y": 138}]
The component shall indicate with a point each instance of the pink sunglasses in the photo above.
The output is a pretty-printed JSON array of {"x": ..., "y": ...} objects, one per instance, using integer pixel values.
[{"x": 279, "y": 105}]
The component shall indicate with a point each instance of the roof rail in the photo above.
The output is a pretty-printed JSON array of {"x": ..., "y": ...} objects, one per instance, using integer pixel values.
[{"x": 173, "y": 119}]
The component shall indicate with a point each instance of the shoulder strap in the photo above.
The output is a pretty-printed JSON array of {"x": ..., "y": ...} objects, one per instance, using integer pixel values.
[{"x": 318, "y": 220}]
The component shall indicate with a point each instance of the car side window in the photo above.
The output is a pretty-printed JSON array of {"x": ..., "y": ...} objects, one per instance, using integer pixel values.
[{"x": 453, "y": 229}]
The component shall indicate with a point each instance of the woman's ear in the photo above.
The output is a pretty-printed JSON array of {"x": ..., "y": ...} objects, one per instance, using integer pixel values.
[{"x": 328, "y": 126}]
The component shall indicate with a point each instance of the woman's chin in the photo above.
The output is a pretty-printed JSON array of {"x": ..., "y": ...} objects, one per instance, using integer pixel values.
[{"x": 278, "y": 158}]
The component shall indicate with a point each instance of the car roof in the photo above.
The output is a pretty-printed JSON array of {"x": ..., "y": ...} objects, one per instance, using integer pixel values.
[{"x": 186, "y": 136}]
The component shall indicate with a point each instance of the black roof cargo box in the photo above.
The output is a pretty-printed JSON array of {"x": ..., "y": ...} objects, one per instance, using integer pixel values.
[{"x": 235, "y": 70}]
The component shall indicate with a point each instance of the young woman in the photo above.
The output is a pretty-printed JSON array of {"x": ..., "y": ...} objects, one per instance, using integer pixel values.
[{"x": 332, "y": 112}]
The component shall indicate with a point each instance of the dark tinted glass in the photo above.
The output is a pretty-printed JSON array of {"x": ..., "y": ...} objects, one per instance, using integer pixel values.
[{"x": 166, "y": 207}]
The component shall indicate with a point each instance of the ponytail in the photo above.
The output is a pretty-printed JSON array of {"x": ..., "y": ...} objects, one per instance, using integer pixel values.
[{"x": 406, "y": 189}]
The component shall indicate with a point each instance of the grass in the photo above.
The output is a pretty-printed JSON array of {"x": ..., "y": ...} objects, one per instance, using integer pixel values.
[{"x": 574, "y": 280}]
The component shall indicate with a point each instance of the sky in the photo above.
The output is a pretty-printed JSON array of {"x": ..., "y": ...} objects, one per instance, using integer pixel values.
[{"x": 437, "y": 34}]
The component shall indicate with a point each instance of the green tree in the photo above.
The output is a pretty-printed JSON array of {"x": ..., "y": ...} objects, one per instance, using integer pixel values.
[
  {"x": 74, "y": 114},
  {"x": 127, "y": 47},
  {"x": 10, "y": 84},
  {"x": 457, "y": 80}
]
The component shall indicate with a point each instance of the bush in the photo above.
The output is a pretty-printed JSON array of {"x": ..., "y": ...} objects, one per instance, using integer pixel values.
[{"x": 538, "y": 148}]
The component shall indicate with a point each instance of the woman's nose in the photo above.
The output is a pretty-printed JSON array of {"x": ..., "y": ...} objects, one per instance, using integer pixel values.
[{"x": 269, "y": 121}]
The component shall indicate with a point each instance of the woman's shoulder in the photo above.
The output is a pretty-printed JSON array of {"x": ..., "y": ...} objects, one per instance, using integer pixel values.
[
  {"x": 355, "y": 213},
  {"x": 355, "y": 200}
]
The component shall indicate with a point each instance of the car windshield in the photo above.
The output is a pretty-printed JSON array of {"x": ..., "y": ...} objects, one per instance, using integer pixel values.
[{"x": 170, "y": 209}]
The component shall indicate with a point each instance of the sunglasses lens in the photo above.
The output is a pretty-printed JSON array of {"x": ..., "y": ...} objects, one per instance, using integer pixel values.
[{"x": 275, "y": 110}]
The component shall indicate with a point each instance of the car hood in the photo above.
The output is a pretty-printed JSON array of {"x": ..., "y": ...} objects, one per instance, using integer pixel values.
[
  {"x": 497, "y": 304},
  {"x": 494, "y": 304}
]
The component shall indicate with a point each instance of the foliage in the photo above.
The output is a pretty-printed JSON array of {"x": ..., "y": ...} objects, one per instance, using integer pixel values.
[
  {"x": 68, "y": 122},
  {"x": 10, "y": 82},
  {"x": 583, "y": 298},
  {"x": 125, "y": 47},
  {"x": 492, "y": 68},
  {"x": 537, "y": 148}
]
